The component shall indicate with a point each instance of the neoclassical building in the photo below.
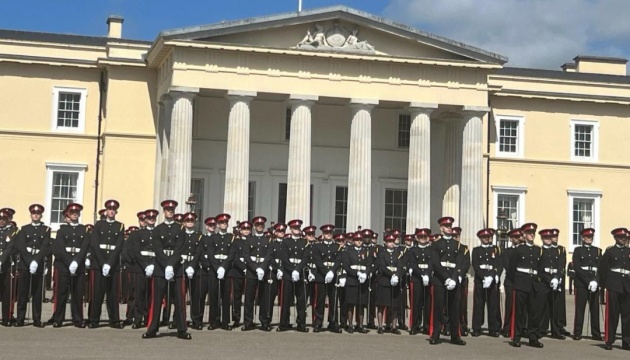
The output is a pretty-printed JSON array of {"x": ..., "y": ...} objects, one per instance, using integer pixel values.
[{"x": 330, "y": 115}]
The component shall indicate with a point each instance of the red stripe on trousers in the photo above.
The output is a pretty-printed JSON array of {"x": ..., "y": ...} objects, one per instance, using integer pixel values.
[
  {"x": 606, "y": 320},
  {"x": 151, "y": 308},
  {"x": 513, "y": 315}
]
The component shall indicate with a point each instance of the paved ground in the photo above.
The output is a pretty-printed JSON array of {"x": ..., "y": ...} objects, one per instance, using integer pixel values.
[{"x": 72, "y": 343}]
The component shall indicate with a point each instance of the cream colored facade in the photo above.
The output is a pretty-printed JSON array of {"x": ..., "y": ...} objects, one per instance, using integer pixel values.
[{"x": 401, "y": 126}]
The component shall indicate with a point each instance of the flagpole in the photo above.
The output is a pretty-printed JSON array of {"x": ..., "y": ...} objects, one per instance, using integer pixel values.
[{"x": 299, "y": 6}]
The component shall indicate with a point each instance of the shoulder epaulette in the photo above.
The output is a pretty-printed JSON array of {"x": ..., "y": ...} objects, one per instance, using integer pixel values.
[{"x": 122, "y": 226}]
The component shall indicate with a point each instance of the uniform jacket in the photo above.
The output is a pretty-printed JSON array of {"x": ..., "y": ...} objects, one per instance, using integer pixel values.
[
  {"x": 146, "y": 249},
  {"x": 388, "y": 264},
  {"x": 419, "y": 260},
  {"x": 486, "y": 261},
  {"x": 294, "y": 256},
  {"x": 357, "y": 260},
  {"x": 255, "y": 254},
  {"x": 615, "y": 257},
  {"x": 189, "y": 252},
  {"x": 585, "y": 265},
  {"x": 71, "y": 244},
  {"x": 325, "y": 254},
  {"x": 525, "y": 257},
  {"x": 237, "y": 250},
  {"x": 8, "y": 237},
  {"x": 106, "y": 244},
  {"x": 33, "y": 244},
  {"x": 448, "y": 260}
]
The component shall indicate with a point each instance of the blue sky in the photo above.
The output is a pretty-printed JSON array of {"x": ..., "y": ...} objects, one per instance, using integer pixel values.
[{"x": 531, "y": 33}]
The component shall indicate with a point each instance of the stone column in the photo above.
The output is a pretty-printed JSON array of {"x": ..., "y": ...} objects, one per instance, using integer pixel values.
[
  {"x": 180, "y": 146},
  {"x": 452, "y": 167},
  {"x": 360, "y": 164},
  {"x": 299, "y": 169},
  {"x": 419, "y": 174},
  {"x": 471, "y": 202},
  {"x": 237, "y": 159},
  {"x": 162, "y": 149}
]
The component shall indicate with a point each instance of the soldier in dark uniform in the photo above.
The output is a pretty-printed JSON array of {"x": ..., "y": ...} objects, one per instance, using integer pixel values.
[
  {"x": 274, "y": 259},
  {"x": 218, "y": 254},
  {"x": 486, "y": 262},
  {"x": 140, "y": 280},
  {"x": 404, "y": 281},
  {"x": 255, "y": 252},
  {"x": 447, "y": 260},
  {"x": 585, "y": 262},
  {"x": 389, "y": 264},
  {"x": 551, "y": 259},
  {"x": 169, "y": 232},
  {"x": 462, "y": 270},
  {"x": 357, "y": 263},
  {"x": 373, "y": 250},
  {"x": 325, "y": 255},
  {"x": 309, "y": 270},
  {"x": 420, "y": 270},
  {"x": 186, "y": 279},
  {"x": 129, "y": 278},
  {"x": 33, "y": 245},
  {"x": 340, "y": 303},
  {"x": 8, "y": 235},
  {"x": 561, "y": 295},
  {"x": 70, "y": 248},
  {"x": 525, "y": 267},
  {"x": 294, "y": 259},
  {"x": 515, "y": 236},
  {"x": 203, "y": 275},
  {"x": 236, "y": 274},
  {"x": 614, "y": 272},
  {"x": 107, "y": 242}
]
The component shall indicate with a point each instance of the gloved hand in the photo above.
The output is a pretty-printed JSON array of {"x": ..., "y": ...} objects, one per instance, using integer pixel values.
[
  {"x": 260, "y": 273},
  {"x": 311, "y": 277},
  {"x": 295, "y": 276},
  {"x": 425, "y": 280},
  {"x": 45, "y": 271},
  {"x": 487, "y": 281},
  {"x": 592, "y": 286},
  {"x": 394, "y": 280},
  {"x": 220, "y": 273},
  {"x": 279, "y": 274},
  {"x": 450, "y": 284},
  {"x": 190, "y": 272},
  {"x": 554, "y": 284},
  {"x": 148, "y": 271},
  {"x": 88, "y": 263},
  {"x": 169, "y": 273},
  {"x": 106, "y": 269},
  {"x": 362, "y": 277},
  {"x": 342, "y": 282},
  {"x": 460, "y": 279},
  {"x": 73, "y": 267},
  {"x": 329, "y": 277},
  {"x": 410, "y": 272},
  {"x": 496, "y": 279},
  {"x": 33, "y": 267}
]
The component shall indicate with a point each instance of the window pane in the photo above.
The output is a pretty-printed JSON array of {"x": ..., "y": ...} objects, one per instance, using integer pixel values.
[
  {"x": 282, "y": 202},
  {"x": 583, "y": 140},
  {"x": 64, "y": 191},
  {"x": 396, "y": 209},
  {"x": 341, "y": 209},
  {"x": 583, "y": 213},
  {"x": 287, "y": 123},
  {"x": 508, "y": 205},
  {"x": 251, "y": 201},
  {"x": 68, "y": 109},
  {"x": 404, "y": 130},
  {"x": 508, "y": 136}
]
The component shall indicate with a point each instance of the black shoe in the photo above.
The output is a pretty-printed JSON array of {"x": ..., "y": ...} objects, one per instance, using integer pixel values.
[
  {"x": 350, "y": 329},
  {"x": 236, "y": 324},
  {"x": 403, "y": 327},
  {"x": 433, "y": 341},
  {"x": 50, "y": 321},
  {"x": 515, "y": 343},
  {"x": 248, "y": 327},
  {"x": 19, "y": 324},
  {"x": 475, "y": 333},
  {"x": 458, "y": 341},
  {"x": 493, "y": 334},
  {"x": 136, "y": 326},
  {"x": 196, "y": 326},
  {"x": 395, "y": 331},
  {"x": 536, "y": 344},
  {"x": 505, "y": 333},
  {"x": 302, "y": 329},
  {"x": 413, "y": 332},
  {"x": 172, "y": 326},
  {"x": 115, "y": 325},
  {"x": 57, "y": 324},
  {"x": 608, "y": 347},
  {"x": 362, "y": 330},
  {"x": 226, "y": 327},
  {"x": 371, "y": 326},
  {"x": 336, "y": 329},
  {"x": 184, "y": 335},
  {"x": 38, "y": 324},
  {"x": 316, "y": 328},
  {"x": 283, "y": 328},
  {"x": 564, "y": 332},
  {"x": 6, "y": 323},
  {"x": 265, "y": 327},
  {"x": 80, "y": 325},
  {"x": 213, "y": 327},
  {"x": 597, "y": 338},
  {"x": 558, "y": 337},
  {"x": 465, "y": 333},
  {"x": 577, "y": 337},
  {"x": 163, "y": 323},
  {"x": 127, "y": 322},
  {"x": 92, "y": 325},
  {"x": 149, "y": 335},
  {"x": 380, "y": 330}
]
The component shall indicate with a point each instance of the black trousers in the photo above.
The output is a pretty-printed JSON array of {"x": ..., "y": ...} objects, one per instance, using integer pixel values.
[
  {"x": 129, "y": 290},
  {"x": 29, "y": 286},
  {"x": 343, "y": 307},
  {"x": 197, "y": 300},
  {"x": 65, "y": 285},
  {"x": 420, "y": 306},
  {"x": 269, "y": 294},
  {"x": 551, "y": 315},
  {"x": 446, "y": 301},
  {"x": 168, "y": 303},
  {"x": 507, "y": 315},
  {"x": 463, "y": 305},
  {"x": 617, "y": 304},
  {"x": 321, "y": 292},
  {"x": 583, "y": 296},
  {"x": 528, "y": 308},
  {"x": 562, "y": 306},
  {"x": 219, "y": 300},
  {"x": 289, "y": 291},
  {"x": 254, "y": 294},
  {"x": 483, "y": 298},
  {"x": 100, "y": 286},
  {"x": 158, "y": 293},
  {"x": 142, "y": 299},
  {"x": 235, "y": 296}
]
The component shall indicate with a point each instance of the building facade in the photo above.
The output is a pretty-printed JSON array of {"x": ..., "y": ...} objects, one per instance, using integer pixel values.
[{"x": 330, "y": 115}]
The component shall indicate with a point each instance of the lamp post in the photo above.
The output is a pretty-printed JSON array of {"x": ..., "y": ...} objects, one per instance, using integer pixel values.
[{"x": 504, "y": 226}]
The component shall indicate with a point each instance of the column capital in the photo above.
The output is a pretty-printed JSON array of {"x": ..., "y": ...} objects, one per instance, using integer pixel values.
[
  {"x": 178, "y": 92},
  {"x": 475, "y": 110},
  {"x": 421, "y": 106},
  {"x": 363, "y": 104},
  {"x": 241, "y": 95}
]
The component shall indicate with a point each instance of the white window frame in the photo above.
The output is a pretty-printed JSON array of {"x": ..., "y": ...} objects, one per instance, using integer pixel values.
[
  {"x": 595, "y": 143},
  {"x": 520, "y": 140},
  {"x": 55, "y": 108},
  {"x": 519, "y": 191},
  {"x": 398, "y": 129},
  {"x": 383, "y": 185},
  {"x": 595, "y": 195},
  {"x": 51, "y": 168}
]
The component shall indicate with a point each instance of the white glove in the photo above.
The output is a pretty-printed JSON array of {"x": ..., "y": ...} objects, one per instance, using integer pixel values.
[
  {"x": 148, "y": 271},
  {"x": 311, "y": 277},
  {"x": 460, "y": 279},
  {"x": 425, "y": 280},
  {"x": 487, "y": 281},
  {"x": 554, "y": 284},
  {"x": 190, "y": 272},
  {"x": 295, "y": 276},
  {"x": 33, "y": 267},
  {"x": 73, "y": 267},
  {"x": 450, "y": 284},
  {"x": 88, "y": 263},
  {"x": 410, "y": 272},
  {"x": 45, "y": 271},
  {"x": 342, "y": 282},
  {"x": 362, "y": 277},
  {"x": 106, "y": 269},
  {"x": 394, "y": 280},
  {"x": 592, "y": 286},
  {"x": 220, "y": 273},
  {"x": 169, "y": 273},
  {"x": 279, "y": 274},
  {"x": 260, "y": 273},
  {"x": 329, "y": 277},
  {"x": 496, "y": 279}
]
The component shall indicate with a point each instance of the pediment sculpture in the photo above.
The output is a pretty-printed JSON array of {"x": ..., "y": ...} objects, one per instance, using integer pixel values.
[{"x": 336, "y": 38}]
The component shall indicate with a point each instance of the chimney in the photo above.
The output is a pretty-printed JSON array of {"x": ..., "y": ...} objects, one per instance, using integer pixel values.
[
  {"x": 600, "y": 65},
  {"x": 114, "y": 26},
  {"x": 569, "y": 67}
]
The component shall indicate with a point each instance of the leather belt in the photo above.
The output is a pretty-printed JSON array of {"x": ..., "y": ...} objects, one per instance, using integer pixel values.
[
  {"x": 256, "y": 259},
  {"x": 220, "y": 257},
  {"x": 589, "y": 268},
  {"x": 168, "y": 252},
  {"x": 73, "y": 250},
  {"x": 392, "y": 268},
  {"x": 423, "y": 266},
  {"x": 448, "y": 264},
  {"x": 329, "y": 263},
  {"x": 551, "y": 270},
  {"x": 358, "y": 267},
  {"x": 107, "y": 247},
  {"x": 527, "y": 271},
  {"x": 486, "y": 267},
  {"x": 295, "y": 260},
  {"x": 187, "y": 257},
  {"x": 32, "y": 251},
  {"x": 147, "y": 253},
  {"x": 621, "y": 271}
]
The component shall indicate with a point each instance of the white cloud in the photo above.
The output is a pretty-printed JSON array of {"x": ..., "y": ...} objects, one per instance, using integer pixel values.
[{"x": 531, "y": 33}]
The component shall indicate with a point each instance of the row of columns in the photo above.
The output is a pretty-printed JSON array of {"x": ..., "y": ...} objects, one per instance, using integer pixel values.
[{"x": 463, "y": 158}]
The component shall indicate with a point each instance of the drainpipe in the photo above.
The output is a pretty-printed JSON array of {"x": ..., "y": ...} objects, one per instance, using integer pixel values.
[
  {"x": 99, "y": 140},
  {"x": 488, "y": 163}
]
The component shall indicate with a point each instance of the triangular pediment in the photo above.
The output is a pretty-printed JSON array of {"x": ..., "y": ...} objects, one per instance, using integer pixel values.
[{"x": 335, "y": 29}]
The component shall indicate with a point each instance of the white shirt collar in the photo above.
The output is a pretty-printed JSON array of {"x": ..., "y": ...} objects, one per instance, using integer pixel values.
[
  {"x": 358, "y": 248},
  {"x": 110, "y": 220},
  {"x": 222, "y": 233},
  {"x": 169, "y": 222},
  {"x": 259, "y": 234},
  {"x": 328, "y": 242},
  {"x": 150, "y": 227},
  {"x": 485, "y": 245},
  {"x": 36, "y": 224},
  {"x": 422, "y": 246},
  {"x": 529, "y": 244},
  {"x": 189, "y": 231},
  {"x": 547, "y": 246},
  {"x": 74, "y": 224}
]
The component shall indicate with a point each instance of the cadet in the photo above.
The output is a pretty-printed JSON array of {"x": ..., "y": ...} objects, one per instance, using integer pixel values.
[
  {"x": 486, "y": 262},
  {"x": 585, "y": 262},
  {"x": 389, "y": 265},
  {"x": 255, "y": 252},
  {"x": 203, "y": 275},
  {"x": 420, "y": 270},
  {"x": 218, "y": 253},
  {"x": 8, "y": 234},
  {"x": 325, "y": 255},
  {"x": 236, "y": 274},
  {"x": 551, "y": 277},
  {"x": 515, "y": 238},
  {"x": 274, "y": 259},
  {"x": 561, "y": 295},
  {"x": 357, "y": 263},
  {"x": 189, "y": 251},
  {"x": 294, "y": 259}
]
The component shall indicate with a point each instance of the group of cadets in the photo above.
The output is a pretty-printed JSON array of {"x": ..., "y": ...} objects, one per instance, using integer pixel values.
[{"x": 351, "y": 282}]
